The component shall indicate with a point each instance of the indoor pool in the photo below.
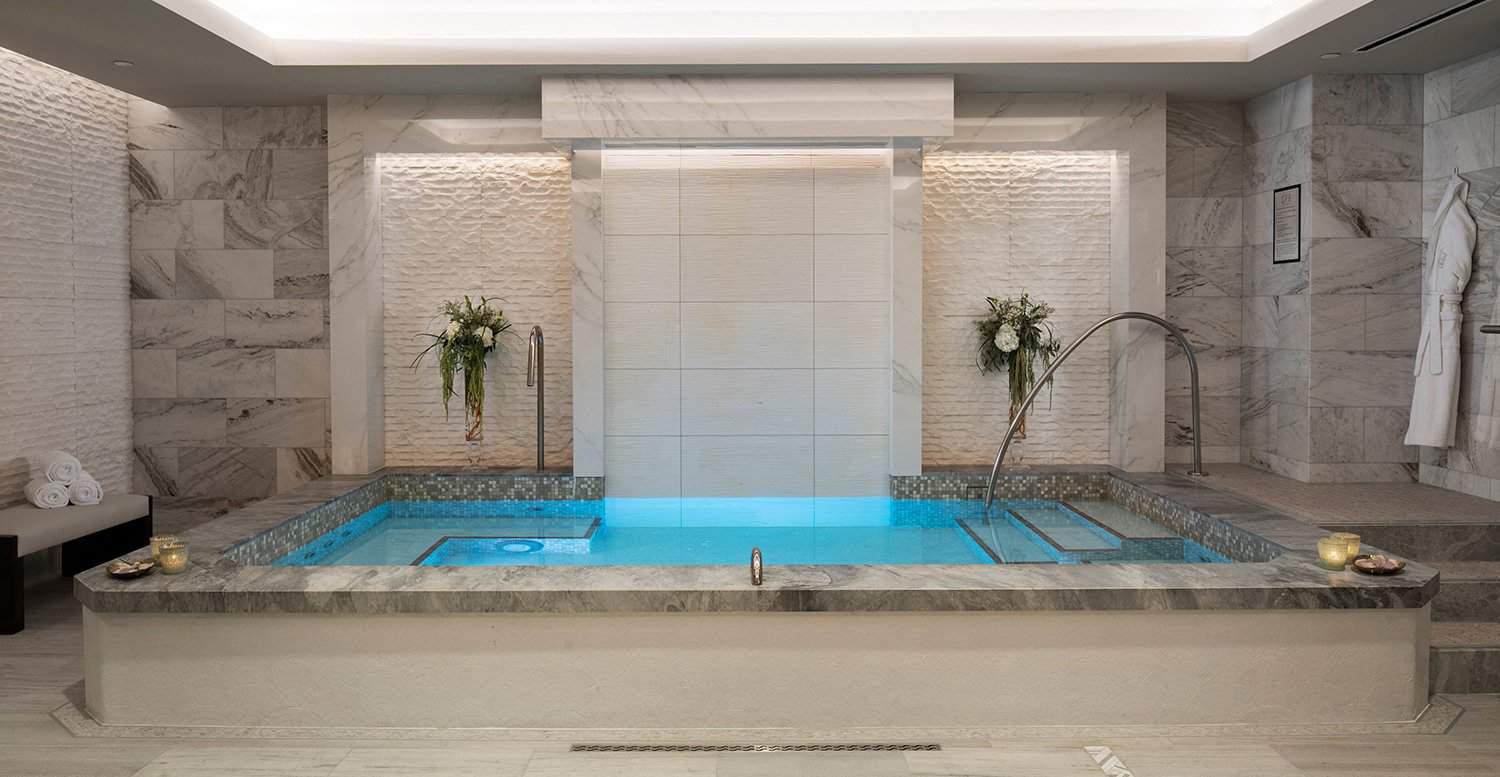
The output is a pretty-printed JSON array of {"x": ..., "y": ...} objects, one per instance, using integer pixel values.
[{"x": 679, "y": 532}]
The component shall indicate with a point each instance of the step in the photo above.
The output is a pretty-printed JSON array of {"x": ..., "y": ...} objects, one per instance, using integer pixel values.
[
  {"x": 1455, "y": 541},
  {"x": 1468, "y": 591},
  {"x": 1465, "y": 657}
]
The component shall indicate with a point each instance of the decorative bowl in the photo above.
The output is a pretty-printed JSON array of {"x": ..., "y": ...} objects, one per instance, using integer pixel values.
[
  {"x": 126, "y": 570},
  {"x": 1378, "y": 565}
]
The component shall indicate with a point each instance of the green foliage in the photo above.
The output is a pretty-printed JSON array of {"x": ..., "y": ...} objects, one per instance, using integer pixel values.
[
  {"x": 469, "y": 336},
  {"x": 1021, "y": 322}
]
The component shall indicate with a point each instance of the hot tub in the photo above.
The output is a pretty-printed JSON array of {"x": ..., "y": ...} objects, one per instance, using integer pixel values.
[{"x": 1089, "y": 596}]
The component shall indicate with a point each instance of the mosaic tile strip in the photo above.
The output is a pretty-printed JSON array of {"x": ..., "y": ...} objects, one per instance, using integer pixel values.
[
  {"x": 1216, "y": 535},
  {"x": 276, "y": 542},
  {"x": 971, "y": 484},
  {"x": 491, "y": 487}
]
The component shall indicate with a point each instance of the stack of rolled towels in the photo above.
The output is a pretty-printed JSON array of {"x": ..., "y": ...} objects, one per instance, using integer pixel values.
[{"x": 63, "y": 481}]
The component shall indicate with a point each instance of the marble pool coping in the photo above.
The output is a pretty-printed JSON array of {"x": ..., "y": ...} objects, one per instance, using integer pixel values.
[{"x": 216, "y": 583}]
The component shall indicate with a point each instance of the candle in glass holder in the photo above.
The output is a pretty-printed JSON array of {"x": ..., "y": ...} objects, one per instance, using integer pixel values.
[
  {"x": 1352, "y": 540},
  {"x": 1333, "y": 552},
  {"x": 173, "y": 557},
  {"x": 157, "y": 540}
]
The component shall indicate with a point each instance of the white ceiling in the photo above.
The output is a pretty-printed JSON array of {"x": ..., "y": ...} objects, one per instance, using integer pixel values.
[
  {"x": 179, "y": 63},
  {"x": 737, "y": 32}
]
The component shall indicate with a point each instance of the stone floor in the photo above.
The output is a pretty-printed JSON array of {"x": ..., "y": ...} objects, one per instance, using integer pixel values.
[
  {"x": 1352, "y": 503},
  {"x": 42, "y": 667}
]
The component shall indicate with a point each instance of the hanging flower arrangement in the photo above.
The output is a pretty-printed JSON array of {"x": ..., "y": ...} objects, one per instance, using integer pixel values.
[
  {"x": 462, "y": 347},
  {"x": 1014, "y": 335}
]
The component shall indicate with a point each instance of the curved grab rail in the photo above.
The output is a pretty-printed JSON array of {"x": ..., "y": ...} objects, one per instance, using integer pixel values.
[{"x": 1015, "y": 423}]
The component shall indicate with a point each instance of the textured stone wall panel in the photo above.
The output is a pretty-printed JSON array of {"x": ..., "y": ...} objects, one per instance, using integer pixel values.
[
  {"x": 493, "y": 225},
  {"x": 64, "y": 258},
  {"x": 1000, "y": 224}
]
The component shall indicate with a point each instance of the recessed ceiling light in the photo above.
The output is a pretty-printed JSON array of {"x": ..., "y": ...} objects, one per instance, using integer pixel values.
[
  {"x": 1330, "y": 55},
  {"x": 124, "y": 63}
]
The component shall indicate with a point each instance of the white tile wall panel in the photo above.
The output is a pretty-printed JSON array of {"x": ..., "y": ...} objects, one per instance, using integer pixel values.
[
  {"x": 1000, "y": 224},
  {"x": 641, "y": 192},
  {"x": 101, "y": 272},
  {"x": 745, "y": 193},
  {"x": 747, "y": 268},
  {"x": 642, "y": 268},
  {"x": 853, "y": 402},
  {"x": 747, "y": 402},
  {"x": 852, "y": 268},
  {"x": 735, "y": 235},
  {"x": 642, "y": 335},
  {"x": 852, "y": 334},
  {"x": 747, "y": 466},
  {"x": 643, "y": 402},
  {"x": 643, "y": 466},
  {"x": 852, "y": 466},
  {"x": 852, "y": 193},
  {"x": 740, "y": 335}
]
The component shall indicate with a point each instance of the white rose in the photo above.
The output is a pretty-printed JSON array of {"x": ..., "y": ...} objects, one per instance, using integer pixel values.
[
  {"x": 1006, "y": 339},
  {"x": 487, "y": 336},
  {"x": 453, "y": 329}
]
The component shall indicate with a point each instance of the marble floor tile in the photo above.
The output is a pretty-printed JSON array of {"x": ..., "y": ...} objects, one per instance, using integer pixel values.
[
  {"x": 813, "y": 765},
  {"x": 620, "y": 765},
  {"x": 1004, "y": 760},
  {"x": 1196, "y": 757},
  {"x": 235, "y": 761},
  {"x": 450, "y": 761}
]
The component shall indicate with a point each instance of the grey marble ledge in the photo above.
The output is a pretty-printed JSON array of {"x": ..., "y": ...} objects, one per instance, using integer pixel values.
[{"x": 1291, "y": 580}]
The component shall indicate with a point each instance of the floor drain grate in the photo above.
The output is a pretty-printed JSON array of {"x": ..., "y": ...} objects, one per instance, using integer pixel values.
[{"x": 750, "y": 747}]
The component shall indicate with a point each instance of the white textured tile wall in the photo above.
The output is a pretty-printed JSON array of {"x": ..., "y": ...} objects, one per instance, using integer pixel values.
[
  {"x": 1000, "y": 223},
  {"x": 496, "y": 225},
  {"x": 747, "y": 315},
  {"x": 65, "y": 366}
]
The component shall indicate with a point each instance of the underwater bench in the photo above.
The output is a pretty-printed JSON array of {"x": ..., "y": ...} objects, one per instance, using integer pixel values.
[{"x": 89, "y": 535}]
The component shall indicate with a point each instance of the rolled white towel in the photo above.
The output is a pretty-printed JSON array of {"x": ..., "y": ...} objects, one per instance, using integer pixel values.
[
  {"x": 85, "y": 490},
  {"x": 46, "y": 494},
  {"x": 60, "y": 467}
]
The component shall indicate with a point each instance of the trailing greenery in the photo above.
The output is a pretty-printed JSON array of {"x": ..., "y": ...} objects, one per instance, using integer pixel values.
[
  {"x": 462, "y": 346},
  {"x": 1012, "y": 337}
]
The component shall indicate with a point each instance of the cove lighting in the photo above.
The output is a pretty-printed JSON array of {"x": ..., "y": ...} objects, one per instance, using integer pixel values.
[{"x": 581, "y": 31}]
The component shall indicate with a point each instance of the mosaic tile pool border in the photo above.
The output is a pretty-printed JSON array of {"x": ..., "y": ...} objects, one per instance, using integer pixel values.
[
  {"x": 1082, "y": 483},
  {"x": 274, "y": 543}
]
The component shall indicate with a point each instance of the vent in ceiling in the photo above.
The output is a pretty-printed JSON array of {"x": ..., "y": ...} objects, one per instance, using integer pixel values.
[{"x": 1420, "y": 24}]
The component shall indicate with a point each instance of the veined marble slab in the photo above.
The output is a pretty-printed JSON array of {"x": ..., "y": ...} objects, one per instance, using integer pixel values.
[
  {"x": 676, "y": 107},
  {"x": 1291, "y": 580}
]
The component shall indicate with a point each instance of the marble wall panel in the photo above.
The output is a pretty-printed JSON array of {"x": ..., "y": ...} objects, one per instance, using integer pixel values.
[
  {"x": 230, "y": 277},
  {"x": 1461, "y": 119}
]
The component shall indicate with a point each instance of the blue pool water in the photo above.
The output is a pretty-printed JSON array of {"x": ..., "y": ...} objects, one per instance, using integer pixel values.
[{"x": 679, "y": 532}]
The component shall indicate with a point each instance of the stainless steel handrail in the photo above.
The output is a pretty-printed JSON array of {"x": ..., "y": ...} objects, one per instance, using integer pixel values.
[
  {"x": 1015, "y": 423},
  {"x": 1490, "y": 329},
  {"x": 534, "y": 375}
]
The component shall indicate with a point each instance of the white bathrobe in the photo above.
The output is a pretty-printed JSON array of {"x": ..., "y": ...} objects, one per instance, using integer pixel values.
[{"x": 1450, "y": 258}]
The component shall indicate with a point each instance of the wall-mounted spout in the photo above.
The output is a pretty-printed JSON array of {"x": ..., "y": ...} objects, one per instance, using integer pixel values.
[{"x": 534, "y": 377}]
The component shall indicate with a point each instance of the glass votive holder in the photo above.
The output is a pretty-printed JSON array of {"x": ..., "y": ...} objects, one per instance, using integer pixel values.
[
  {"x": 1333, "y": 552},
  {"x": 173, "y": 557},
  {"x": 1352, "y": 540},
  {"x": 157, "y": 540}
]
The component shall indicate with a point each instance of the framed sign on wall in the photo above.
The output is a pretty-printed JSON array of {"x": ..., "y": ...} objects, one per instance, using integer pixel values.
[{"x": 1286, "y": 224}]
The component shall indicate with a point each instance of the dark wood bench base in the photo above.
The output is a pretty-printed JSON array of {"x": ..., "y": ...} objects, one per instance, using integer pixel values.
[{"x": 77, "y": 555}]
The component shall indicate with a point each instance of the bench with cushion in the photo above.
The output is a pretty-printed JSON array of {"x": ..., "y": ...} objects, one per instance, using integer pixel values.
[{"x": 89, "y": 535}]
